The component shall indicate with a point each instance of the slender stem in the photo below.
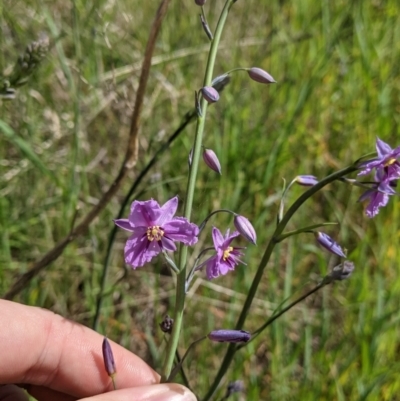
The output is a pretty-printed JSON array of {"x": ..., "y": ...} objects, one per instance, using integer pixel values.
[
  {"x": 264, "y": 261},
  {"x": 308, "y": 229},
  {"x": 284, "y": 310},
  {"x": 181, "y": 277},
  {"x": 178, "y": 367}
]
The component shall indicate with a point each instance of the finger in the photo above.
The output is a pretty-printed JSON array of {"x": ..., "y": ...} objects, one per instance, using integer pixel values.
[
  {"x": 44, "y": 349},
  {"x": 10, "y": 392},
  {"x": 158, "y": 392},
  {"x": 47, "y": 394}
]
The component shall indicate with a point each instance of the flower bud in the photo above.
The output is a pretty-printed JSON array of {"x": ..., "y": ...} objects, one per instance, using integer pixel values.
[
  {"x": 211, "y": 159},
  {"x": 229, "y": 336},
  {"x": 210, "y": 94},
  {"x": 200, "y": 2},
  {"x": 306, "y": 180},
  {"x": 219, "y": 82},
  {"x": 167, "y": 324},
  {"x": 108, "y": 358},
  {"x": 206, "y": 28},
  {"x": 259, "y": 75},
  {"x": 245, "y": 228},
  {"x": 328, "y": 243},
  {"x": 339, "y": 272}
]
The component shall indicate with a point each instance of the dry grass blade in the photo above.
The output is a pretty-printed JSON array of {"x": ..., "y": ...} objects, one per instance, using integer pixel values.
[{"x": 129, "y": 162}]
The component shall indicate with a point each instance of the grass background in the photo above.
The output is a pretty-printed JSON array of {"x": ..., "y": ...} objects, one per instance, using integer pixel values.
[{"x": 338, "y": 76}]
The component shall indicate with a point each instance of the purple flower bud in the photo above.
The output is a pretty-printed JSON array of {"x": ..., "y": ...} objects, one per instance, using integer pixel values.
[
  {"x": 210, "y": 94},
  {"x": 211, "y": 159},
  {"x": 200, "y": 2},
  {"x": 229, "y": 336},
  {"x": 108, "y": 358},
  {"x": 328, "y": 243},
  {"x": 306, "y": 180},
  {"x": 259, "y": 75},
  {"x": 245, "y": 228}
]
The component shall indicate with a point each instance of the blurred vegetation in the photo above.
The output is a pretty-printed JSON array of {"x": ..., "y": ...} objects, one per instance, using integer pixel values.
[{"x": 62, "y": 140}]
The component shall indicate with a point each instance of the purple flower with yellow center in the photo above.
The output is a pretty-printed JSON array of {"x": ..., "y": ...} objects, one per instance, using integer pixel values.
[
  {"x": 155, "y": 229},
  {"x": 378, "y": 195},
  {"x": 227, "y": 257},
  {"x": 386, "y": 160}
]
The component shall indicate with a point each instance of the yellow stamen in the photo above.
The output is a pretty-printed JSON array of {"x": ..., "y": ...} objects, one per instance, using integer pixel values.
[
  {"x": 390, "y": 162},
  {"x": 227, "y": 253},
  {"x": 155, "y": 233}
]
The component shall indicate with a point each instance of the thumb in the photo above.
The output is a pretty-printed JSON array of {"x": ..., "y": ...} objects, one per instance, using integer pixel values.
[{"x": 155, "y": 392}]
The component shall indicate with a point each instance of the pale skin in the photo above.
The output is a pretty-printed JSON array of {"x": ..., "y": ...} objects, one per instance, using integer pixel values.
[{"x": 55, "y": 359}]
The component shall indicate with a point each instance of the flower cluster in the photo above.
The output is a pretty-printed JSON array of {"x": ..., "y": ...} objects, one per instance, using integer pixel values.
[
  {"x": 155, "y": 229},
  {"x": 386, "y": 168}
]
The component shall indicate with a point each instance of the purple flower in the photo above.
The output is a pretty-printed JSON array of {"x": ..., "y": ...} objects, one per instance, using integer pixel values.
[
  {"x": 328, "y": 243},
  {"x": 379, "y": 194},
  {"x": 155, "y": 229},
  {"x": 211, "y": 159},
  {"x": 229, "y": 336},
  {"x": 227, "y": 257},
  {"x": 245, "y": 228},
  {"x": 386, "y": 160},
  {"x": 108, "y": 358}
]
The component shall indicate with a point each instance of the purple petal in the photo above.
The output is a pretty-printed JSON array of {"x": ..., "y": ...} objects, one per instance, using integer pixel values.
[
  {"x": 139, "y": 250},
  {"x": 218, "y": 239},
  {"x": 167, "y": 211},
  {"x": 144, "y": 214},
  {"x": 229, "y": 238},
  {"x": 224, "y": 266},
  {"x": 168, "y": 244},
  {"x": 377, "y": 200},
  {"x": 179, "y": 229},
  {"x": 382, "y": 148},
  {"x": 212, "y": 269},
  {"x": 123, "y": 223}
]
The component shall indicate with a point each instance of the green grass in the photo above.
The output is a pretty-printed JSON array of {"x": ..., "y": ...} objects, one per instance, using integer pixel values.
[{"x": 63, "y": 139}]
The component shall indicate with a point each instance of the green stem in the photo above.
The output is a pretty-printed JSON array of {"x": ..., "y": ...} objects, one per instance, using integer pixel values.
[
  {"x": 181, "y": 277},
  {"x": 264, "y": 261},
  {"x": 303, "y": 230},
  {"x": 284, "y": 310}
]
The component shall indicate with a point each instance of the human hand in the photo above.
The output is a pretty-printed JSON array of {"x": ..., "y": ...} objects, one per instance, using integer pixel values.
[{"x": 55, "y": 359}]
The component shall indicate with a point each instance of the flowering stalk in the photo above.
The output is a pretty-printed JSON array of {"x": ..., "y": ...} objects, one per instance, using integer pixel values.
[
  {"x": 264, "y": 261},
  {"x": 181, "y": 276}
]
